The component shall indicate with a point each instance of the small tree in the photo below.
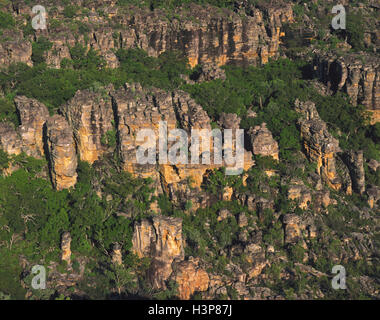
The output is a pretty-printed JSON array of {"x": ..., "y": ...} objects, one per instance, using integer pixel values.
[{"x": 120, "y": 277}]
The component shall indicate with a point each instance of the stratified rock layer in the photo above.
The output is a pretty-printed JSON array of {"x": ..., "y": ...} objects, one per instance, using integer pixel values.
[
  {"x": 33, "y": 115},
  {"x": 90, "y": 115},
  {"x": 204, "y": 34},
  {"x": 355, "y": 164}
]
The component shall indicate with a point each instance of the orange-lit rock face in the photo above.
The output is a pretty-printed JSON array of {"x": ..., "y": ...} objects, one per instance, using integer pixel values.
[
  {"x": 160, "y": 240},
  {"x": 190, "y": 278},
  {"x": 138, "y": 109},
  {"x": 33, "y": 116},
  {"x": 202, "y": 34},
  {"x": 320, "y": 146},
  {"x": 66, "y": 247},
  {"x": 62, "y": 156},
  {"x": 90, "y": 115},
  {"x": 297, "y": 191}
]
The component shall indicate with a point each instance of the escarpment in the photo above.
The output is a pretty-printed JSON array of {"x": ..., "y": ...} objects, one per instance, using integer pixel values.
[
  {"x": 203, "y": 34},
  {"x": 14, "y": 48},
  {"x": 90, "y": 119},
  {"x": 137, "y": 109},
  {"x": 357, "y": 75}
]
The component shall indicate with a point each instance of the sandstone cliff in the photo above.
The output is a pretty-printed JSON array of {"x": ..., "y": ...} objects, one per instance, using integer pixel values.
[
  {"x": 33, "y": 115},
  {"x": 161, "y": 240},
  {"x": 204, "y": 34},
  {"x": 90, "y": 116},
  {"x": 320, "y": 146},
  {"x": 357, "y": 75},
  {"x": 61, "y": 153}
]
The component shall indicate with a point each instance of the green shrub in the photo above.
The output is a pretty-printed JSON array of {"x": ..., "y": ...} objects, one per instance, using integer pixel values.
[
  {"x": 39, "y": 48},
  {"x": 6, "y": 20},
  {"x": 70, "y": 11}
]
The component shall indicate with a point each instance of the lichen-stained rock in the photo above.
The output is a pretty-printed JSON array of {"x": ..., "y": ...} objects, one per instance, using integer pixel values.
[
  {"x": 15, "y": 51},
  {"x": 262, "y": 142},
  {"x": 56, "y": 54},
  {"x": 292, "y": 228},
  {"x": 322, "y": 199},
  {"x": 33, "y": 115},
  {"x": 373, "y": 193},
  {"x": 66, "y": 247},
  {"x": 116, "y": 256},
  {"x": 355, "y": 164},
  {"x": 160, "y": 240},
  {"x": 90, "y": 115},
  {"x": 207, "y": 72},
  {"x": 356, "y": 74},
  {"x": 255, "y": 256},
  {"x": 229, "y": 121},
  {"x": 10, "y": 141},
  {"x": 61, "y": 153},
  {"x": 320, "y": 146},
  {"x": 190, "y": 278},
  {"x": 190, "y": 114}
]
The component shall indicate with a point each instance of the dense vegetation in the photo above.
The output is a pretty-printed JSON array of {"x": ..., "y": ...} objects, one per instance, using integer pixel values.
[{"x": 33, "y": 215}]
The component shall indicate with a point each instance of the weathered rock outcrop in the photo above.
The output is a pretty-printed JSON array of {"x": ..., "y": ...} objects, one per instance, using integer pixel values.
[
  {"x": 90, "y": 115},
  {"x": 292, "y": 228},
  {"x": 262, "y": 142},
  {"x": 190, "y": 278},
  {"x": 373, "y": 193},
  {"x": 162, "y": 241},
  {"x": 15, "y": 51},
  {"x": 320, "y": 146},
  {"x": 299, "y": 192},
  {"x": 116, "y": 256},
  {"x": 33, "y": 115},
  {"x": 357, "y": 75},
  {"x": 217, "y": 36},
  {"x": 204, "y": 34},
  {"x": 355, "y": 164},
  {"x": 207, "y": 72},
  {"x": 138, "y": 109},
  {"x": 66, "y": 247},
  {"x": 10, "y": 141},
  {"x": 61, "y": 153}
]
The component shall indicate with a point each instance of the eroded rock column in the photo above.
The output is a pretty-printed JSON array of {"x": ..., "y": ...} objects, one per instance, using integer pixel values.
[{"x": 61, "y": 153}]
